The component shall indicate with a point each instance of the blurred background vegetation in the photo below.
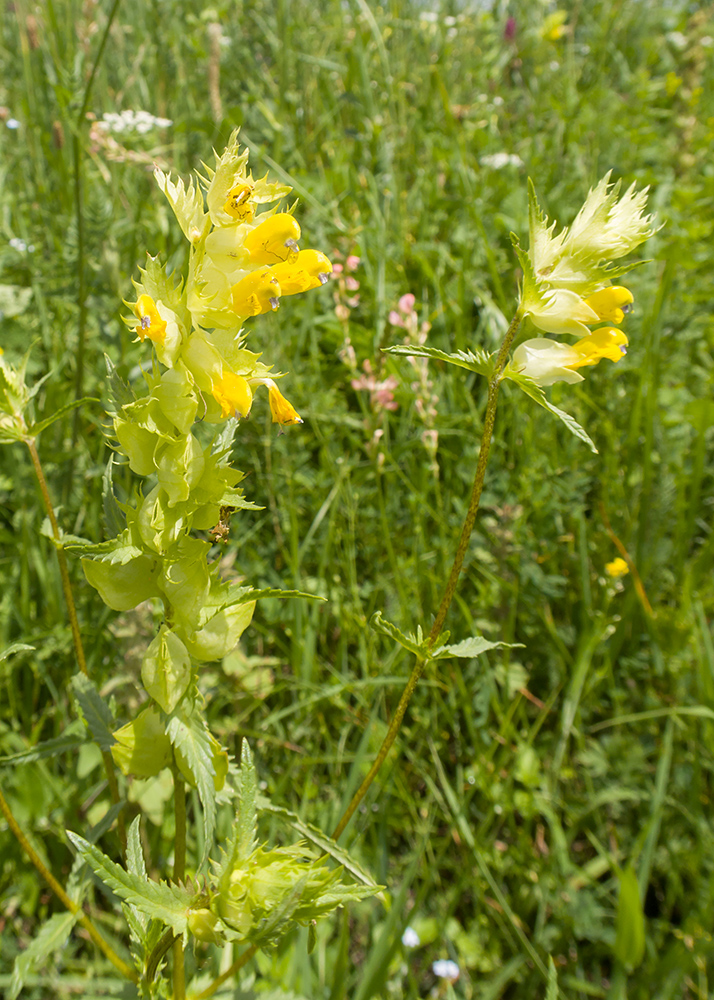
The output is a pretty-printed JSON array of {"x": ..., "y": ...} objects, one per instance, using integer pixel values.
[{"x": 524, "y": 781}]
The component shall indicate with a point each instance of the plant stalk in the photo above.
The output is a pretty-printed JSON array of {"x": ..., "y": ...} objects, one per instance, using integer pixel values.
[
  {"x": 74, "y": 624},
  {"x": 450, "y": 588},
  {"x": 179, "y": 972},
  {"x": 59, "y": 891}
]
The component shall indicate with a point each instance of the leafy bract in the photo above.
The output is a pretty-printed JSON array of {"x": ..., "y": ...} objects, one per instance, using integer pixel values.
[
  {"x": 533, "y": 390},
  {"x": 164, "y": 902}
]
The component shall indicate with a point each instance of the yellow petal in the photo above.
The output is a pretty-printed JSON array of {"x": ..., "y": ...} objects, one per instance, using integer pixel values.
[
  {"x": 239, "y": 205},
  {"x": 233, "y": 395},
  {"x": 612, "y": 303},
  {"x": 274, "y": 240},
  {"x": 618, "y": 567},
  {"x": 282, "y": 411},
  {"x": 256, "y": 293},
  {"x": 608, "y": 342},
  {"x": 310, "y": 269},
  {"x": 150, "y": 324}
]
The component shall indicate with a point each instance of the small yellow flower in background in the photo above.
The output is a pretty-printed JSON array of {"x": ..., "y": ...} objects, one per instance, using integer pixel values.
[
  {"x": 233, "y": 395},
  {"x": 617, "y": 568},
  {"x": 554, "y": 26},
  {"x": 150, "y": 323}
]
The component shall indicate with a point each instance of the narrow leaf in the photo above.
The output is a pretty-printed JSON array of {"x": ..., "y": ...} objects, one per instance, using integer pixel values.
[
  {"x": 471, "y": 647},
  {"x": 477, "y": 361},
  {"x": 530, "y": 388},
  {"x": 72, "y": 738},
  {"x": 164, "y": 902},
  {"x": 114, "y": 519},
  {"x": 34, "y": 429},
  {"x": 629, "y": 945},
  {"x": 94, "y": 710},
  {"x": 15, "y": 647},
  {"x": 189, "y": 735},
  {"x": 49, "y": 938},
  {"x": 247, "y": 816},
  {"x": 415, "y": 644}
]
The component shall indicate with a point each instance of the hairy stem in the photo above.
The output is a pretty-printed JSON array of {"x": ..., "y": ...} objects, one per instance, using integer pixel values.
[
  {"x": 58, "y": 890},
  {"x": 179, "y": 974},
  {"x": 450, "y": 588},
  {"x": 238, "y": 964},
  {"x": 74, "y": 623}
]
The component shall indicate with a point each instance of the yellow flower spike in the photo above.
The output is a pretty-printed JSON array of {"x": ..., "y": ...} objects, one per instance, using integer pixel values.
[
  {"x": 274, "y": 241},
  {"x": 310, "y": 269},
  {"x": 617, "y": 568},
  {"x": 256, "y": 293},
  {"x": 150, "y": 324},
  {"x": 239, "y": 205},
  {"x": 282, "y": 411},
  {"x": 233, "y": 395},
  {"x": 607, "y": 342},
  {"x": 612, "y": 303}
]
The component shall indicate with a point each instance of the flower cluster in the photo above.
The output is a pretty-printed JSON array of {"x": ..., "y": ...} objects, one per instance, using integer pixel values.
[
  {"x": 567, "y": 283},
  {"x": 242, "y": 261}
]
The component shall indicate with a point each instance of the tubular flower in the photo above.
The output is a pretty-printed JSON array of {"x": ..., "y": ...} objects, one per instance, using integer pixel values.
[
  {"x": 283, "y": 412},
  {"x": 233, "y": 395},
  {"x": 310, "y": 269},
  {"x": 611, "y": 303},
  {"x": 258, "y": 292},
  {"x": 547, "y": 361},
  {"x": 150, "y": 323},
  {"x": 273, "y": 241}
]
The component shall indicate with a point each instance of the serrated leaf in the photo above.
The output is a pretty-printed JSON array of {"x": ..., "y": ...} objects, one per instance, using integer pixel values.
[
  {"x": 478, "y": 361},
  {"x": 415, "y": 644},
  {"x": 471, "y": 647},
  {"x": 188, "y": 733},
  {"x": 34, "y": 429},
  {"x": 136, "y": 866},
  {"x": 120, "y": 391},
  {"x": 50, "y": 937},
  {"x": 164, "y": 902},
  {"x": 326, "y": 844},
  {"x": 114, "y": 518},
  {"x": 533, "y": 390},
  {"x": 94, "y": 710},
  {"x": 247, "y": 816},
  {"x": 256, "y": 595}
]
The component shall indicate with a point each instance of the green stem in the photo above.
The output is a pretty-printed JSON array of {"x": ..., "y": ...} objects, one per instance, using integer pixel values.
[
  {"x": 79, "y": 216},
  {"x": 179, "y": 973},
  {"x": 238, "y": 964},
  {"x": 62, "y": 895},
  {"x": 74, "y": 623},
  {"x": 450, "y": 588}
]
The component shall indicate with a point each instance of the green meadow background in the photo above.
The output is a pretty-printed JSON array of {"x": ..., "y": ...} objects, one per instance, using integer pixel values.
[{"x": 526, "y": 781}]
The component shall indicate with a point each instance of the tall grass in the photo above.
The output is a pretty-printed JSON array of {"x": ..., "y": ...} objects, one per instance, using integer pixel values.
[{"x": 523, "y": 781}]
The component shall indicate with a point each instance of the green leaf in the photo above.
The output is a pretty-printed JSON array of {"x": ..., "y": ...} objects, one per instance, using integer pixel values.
[
  {"x": 629, "y": 945},
  {"x": 94, "y": 710},
  {"x": 167, "y": 903},
  {"x": 530, "y": 388},
  {"x": 136, "y": 866},
  {"x": 415, "y": 644},
  {"x": 114, "y": 518},
  {"x": 552, "y": 991},
  {"x": 256, "y": 595},
  {"x": 246, "y": 826},
  {"x": 189, "y": 735},
  {"x": 50, "y": 937},
  {"x": 471, "y": 647},
  {"x": 121, "y": 393},
  {"x": 478, "y": 361},
  {"x": 72, "y": 738},
  {"x": 326, "y": 844},
  {"x": 34, "y": 429},
  {"x": 15, "y": 647}
]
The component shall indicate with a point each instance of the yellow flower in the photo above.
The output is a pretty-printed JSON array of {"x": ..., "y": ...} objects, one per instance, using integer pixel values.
[
  {"x": 617, "y": 568},
  {"x": 233, "y": 395},
  {"x": 283, "y": 412},
  {"x": 239, "y": 205},
  {"x": 310, "y": 269},
  {"x": 258, "y": 292},
  {"x": 150, "y": 323},
  {"x": 611, "y": 303},
  {"x": 548, "y": 361},
  {"x": 273, "y": 241}
]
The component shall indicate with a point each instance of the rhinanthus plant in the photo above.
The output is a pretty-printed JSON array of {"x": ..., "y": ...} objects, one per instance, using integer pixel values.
[{"x": 177, "y": 430}]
